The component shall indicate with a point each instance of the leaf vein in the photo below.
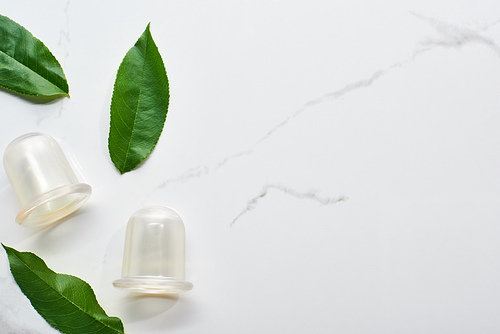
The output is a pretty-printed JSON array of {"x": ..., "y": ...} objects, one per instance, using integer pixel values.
[{"x": 137, "y": 110}]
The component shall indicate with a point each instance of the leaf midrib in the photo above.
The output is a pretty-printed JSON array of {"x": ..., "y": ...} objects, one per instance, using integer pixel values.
[
  {"x": 64, "y": 297},
  {"x": 137, "y": 108},
  {"x": 32, "y": 70}
]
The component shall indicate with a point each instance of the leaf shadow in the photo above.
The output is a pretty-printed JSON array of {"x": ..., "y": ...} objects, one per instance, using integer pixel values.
[
  {"x": 137, "y": 307},
  {"x": 33, "y": 99}
]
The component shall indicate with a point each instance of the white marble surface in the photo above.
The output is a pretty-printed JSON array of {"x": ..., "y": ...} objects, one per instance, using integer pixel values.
[{"x": 336, "y": 163}]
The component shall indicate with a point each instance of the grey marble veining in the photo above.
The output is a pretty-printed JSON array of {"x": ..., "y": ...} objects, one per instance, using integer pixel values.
[{"x": 335, "y": 164}]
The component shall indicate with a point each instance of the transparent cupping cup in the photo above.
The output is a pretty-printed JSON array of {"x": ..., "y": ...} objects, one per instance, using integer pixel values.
[
  {"x": 153, "y": 259},
  {"x": 42, "y": 179}
]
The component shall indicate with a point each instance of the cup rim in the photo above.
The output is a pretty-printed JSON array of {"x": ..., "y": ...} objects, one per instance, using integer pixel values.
[
  {"x": 153, "y": 284},
  {"x": 23, "y": 217}
]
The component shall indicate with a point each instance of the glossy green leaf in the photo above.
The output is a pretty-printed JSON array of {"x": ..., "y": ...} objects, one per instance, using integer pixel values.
[
  {"x": 66, "y": 302},
  {"x": 139, "y": 104},
  {"x": 26, "y": 65}
]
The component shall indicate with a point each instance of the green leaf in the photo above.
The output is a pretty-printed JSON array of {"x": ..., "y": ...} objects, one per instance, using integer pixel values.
[
  {"x": 139, "y": 104},
  {"x": 26, "y": 65},
  {"x": 66, "y": 302}
]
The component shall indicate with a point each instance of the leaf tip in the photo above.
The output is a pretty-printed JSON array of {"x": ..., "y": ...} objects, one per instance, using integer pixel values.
[
  {"x": 147, "y": 31},
  {"x": 120, "y": 169},
  {"x": 8, "y": 250}
]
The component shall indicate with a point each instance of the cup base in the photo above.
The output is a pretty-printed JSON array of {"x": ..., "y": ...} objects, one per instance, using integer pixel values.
[
  {"x": 54, "y": 205},
  {"x": 153, "y": 284}
]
